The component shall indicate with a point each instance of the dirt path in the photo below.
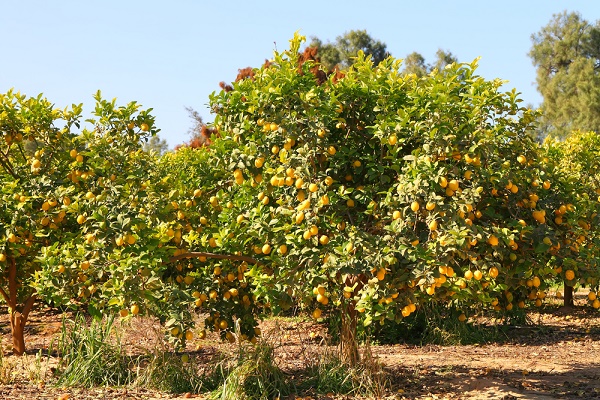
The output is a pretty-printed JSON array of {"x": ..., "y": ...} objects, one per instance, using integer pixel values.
[{"x": 562, "y": 370}]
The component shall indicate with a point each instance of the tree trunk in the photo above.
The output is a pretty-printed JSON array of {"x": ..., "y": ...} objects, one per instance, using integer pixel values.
[
  {"x": 17, "y": 327},
  {"x": 17, "y": 315},
  {"x": 348, "y": 344},
  {"x": 349, "y": 354},
  {"x": 568, "y": 295}
]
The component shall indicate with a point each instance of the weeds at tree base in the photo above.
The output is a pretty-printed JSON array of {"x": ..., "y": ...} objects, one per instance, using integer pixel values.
[
  {"x": 35, "y": 370},
  {"x": 439, "y": 325},
  {"x": 256, "y": 376},
  {"x": 329, "y": 374},
  {"x": 92, "y": 354},
  {"x": 7, "y": 369},
  {"x": 435, "y": 324},
  {"x": 168, "y": 372},
  {"x": 252, "y": 374}
]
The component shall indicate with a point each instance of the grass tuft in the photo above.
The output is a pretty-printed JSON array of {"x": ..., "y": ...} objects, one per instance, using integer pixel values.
[
  {"x": 7, "y": 368},
  {"x": 329, "y": 374},
  {"x": 168, "y": 372},
  {"x": 253, "y": 374},
  {"x": 92, "y": 355}
]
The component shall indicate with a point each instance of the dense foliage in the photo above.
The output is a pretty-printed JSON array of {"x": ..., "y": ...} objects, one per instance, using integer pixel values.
[
  {"x": 379, "y": 191},
  {"x": 367, "y": 193},
  {"x": 84, "y": 222}
]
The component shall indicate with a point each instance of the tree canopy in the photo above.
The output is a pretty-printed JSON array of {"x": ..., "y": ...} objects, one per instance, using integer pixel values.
[{"x": 374, "y": 193}]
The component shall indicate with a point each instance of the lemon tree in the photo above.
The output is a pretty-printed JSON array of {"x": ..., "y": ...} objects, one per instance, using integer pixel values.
[
  {"x": 32, "y": 151},
  {"x": 81, "y": 217},
  {"x": 575, "y": 161},
  {"x": 371, "y": 193},
  {"x": 120, "y": 245}
]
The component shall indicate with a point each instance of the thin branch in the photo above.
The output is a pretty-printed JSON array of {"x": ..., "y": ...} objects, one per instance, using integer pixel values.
[
  {"x": 6, "y": 164},
  {"x": 350, "y": 218},
  {"x": 20, "y": 147},
  {"x": 6, "y": 298},
  {"x": 197, "y": 254}
]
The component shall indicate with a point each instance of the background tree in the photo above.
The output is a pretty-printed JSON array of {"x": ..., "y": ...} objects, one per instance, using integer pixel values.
[
  {"x": 414, "y": 63},
  {"x": 566, "y": 54},
  {"x": 157, "y": 144},
  {"x": 576, "y": 162},
  {"x": 443, "y": 58},
  {"x": 342, "y": 52},
  {"x": 199, "y": 132}
]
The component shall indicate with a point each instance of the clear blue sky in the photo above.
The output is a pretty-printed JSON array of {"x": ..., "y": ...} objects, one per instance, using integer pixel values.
[{"x": 171, "y": 54}]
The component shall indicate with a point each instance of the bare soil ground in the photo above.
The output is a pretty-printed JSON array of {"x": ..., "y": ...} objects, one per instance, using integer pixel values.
[{"x": 555, "y": 358}]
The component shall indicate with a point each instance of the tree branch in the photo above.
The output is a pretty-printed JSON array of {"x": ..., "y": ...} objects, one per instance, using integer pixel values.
[
  {"x": 20, "y": 147},
  {"x": 6, "y": 298},
  {"x": 28, "y": 306},
  {"x": 6, "y": 165},
  {"x": 197, "y": 254}
]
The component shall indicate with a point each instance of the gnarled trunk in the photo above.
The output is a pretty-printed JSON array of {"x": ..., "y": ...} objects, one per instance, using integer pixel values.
[{"x": 348, "y": 344}]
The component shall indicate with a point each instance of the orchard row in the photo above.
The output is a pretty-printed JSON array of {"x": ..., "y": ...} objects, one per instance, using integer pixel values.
[{"x": 368, "y": 194}]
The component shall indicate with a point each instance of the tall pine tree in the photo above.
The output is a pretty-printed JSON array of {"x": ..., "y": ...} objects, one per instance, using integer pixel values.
[{"x": 566, "y": 54}]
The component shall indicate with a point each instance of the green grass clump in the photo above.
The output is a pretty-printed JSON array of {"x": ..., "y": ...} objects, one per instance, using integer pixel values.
[
  {"x": 169, "y": 372},
  {"x": 92, "y": 355},
  {"x": 254, "y": 375}
]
